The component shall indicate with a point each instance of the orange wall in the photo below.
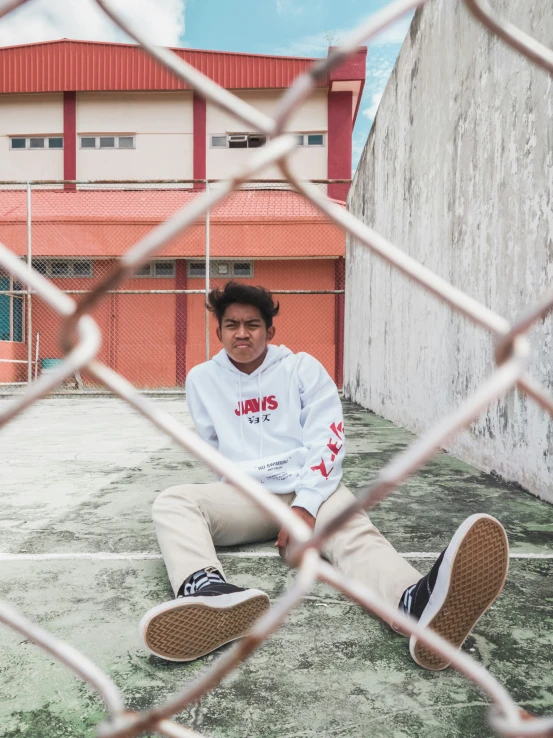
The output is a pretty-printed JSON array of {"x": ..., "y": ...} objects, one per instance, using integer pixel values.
[
  {"x": 305, "y": 322},
  {"x": 13, "y": 372},
  {"x": 139, "y": 331}
]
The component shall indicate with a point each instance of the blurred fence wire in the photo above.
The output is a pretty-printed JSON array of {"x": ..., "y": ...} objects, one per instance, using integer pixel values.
[{"x": 80, "y": 331}]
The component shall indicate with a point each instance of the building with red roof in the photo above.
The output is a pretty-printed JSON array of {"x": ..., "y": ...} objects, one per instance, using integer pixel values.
[{"x": 75, "y": 110}]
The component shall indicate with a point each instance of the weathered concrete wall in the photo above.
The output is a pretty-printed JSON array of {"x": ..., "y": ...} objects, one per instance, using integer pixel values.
[{"x": 458, "y": 172}]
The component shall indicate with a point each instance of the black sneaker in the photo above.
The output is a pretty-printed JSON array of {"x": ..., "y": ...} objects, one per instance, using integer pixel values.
[
  {"x": 192, "y": 626},
  {"x": 463, "y": 583}
]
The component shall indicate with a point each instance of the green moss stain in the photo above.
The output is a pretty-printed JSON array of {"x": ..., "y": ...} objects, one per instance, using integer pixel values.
[{"x": 50, "y": 721}]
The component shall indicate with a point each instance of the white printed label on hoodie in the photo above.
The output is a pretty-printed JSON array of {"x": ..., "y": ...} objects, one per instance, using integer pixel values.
[{"x": 275, "y": 469}]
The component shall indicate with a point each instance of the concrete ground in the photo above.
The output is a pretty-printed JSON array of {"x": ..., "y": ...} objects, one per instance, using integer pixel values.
[{"x": 78, "y": 480}]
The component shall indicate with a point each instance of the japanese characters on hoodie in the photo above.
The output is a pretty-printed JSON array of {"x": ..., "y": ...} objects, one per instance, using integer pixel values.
[{"x": 282, "y": 424}]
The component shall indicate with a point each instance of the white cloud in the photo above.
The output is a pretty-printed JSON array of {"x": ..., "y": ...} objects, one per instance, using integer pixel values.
[
  {"x": 318, "y": 43},
  {"x": 380, "y": 64},
  {"x": 370, "y": 112},
  {"x": 288, "y": 7},
  {"x": 162, "y": 21},
  {"x": 379, "y": 69},
  {"x": 394, "y": 34},
  {"x": 313, "y": 45}
]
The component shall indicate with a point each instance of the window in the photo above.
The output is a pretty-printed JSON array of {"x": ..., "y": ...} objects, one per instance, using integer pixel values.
[
  {"x": 36, "y": 143},
  {"x": 126, "y": 142},
  {"x": 240, "y": 269},
  {"x": 157, "y": 269},
  {"x": 107, "y": 142},
  {"x": 11, "y": 309},
  {"x": 82, "y": 269},
  {"x": 60, "y": 269},
  {"x": 310, "y": 139},
  {"x": 254, "y": 142},
  {"x": 64, "y": 268},
  {"x": 164, "y": 269},
  {"x": 196, "y": 268},
  {"x": 218, "y": 142},
  {"x": 315, "y": 139},
  {"x": 238, "y": 141}
]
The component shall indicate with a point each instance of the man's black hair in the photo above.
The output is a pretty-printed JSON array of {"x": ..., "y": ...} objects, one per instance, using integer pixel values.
[{"x": 219, "y": 300}]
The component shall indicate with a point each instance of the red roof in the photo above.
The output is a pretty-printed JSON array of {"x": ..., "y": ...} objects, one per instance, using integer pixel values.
[
  {"x": 66, "y": 65},
  {"x": 252, "y": 223},
  {"x": 152, "y": 206}
]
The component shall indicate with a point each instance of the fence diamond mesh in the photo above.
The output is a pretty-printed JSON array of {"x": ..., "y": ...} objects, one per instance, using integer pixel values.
[{"x": 80, "y": 333}]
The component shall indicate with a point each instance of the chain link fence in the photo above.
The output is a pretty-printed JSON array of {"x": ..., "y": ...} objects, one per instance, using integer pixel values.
[
  {"x": 155, "y": 326},
  {"x": 80, "y": 339}
]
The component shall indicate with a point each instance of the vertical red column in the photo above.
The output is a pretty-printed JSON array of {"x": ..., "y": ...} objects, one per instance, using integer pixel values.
[
  {"x": 181, "y": 318},
  {"x": 339, "y": 284},
  {"x": 339, "y": 142},
  {"x": 200, "y": 139},
  {"x": 69, "y": 138}
]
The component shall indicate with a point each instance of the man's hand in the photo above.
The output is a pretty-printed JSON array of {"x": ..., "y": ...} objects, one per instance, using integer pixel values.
[{"x": 283, "y": 536}]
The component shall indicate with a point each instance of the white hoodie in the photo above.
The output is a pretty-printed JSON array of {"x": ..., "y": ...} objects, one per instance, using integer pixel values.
[{"x": 282, "y": 424}]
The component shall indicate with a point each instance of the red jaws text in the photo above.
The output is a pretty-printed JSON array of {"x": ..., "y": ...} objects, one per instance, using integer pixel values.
[{"x": 252, "y": 406}]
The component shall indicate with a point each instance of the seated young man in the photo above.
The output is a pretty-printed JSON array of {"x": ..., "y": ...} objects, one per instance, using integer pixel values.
[{"x": 279, "y": 417}]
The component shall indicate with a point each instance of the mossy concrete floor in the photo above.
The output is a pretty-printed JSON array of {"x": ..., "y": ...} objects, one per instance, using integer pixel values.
[{"x": 79, "y": 476}]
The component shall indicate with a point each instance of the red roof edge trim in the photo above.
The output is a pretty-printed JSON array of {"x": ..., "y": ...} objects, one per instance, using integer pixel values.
[{"x": 171, "y": 48}]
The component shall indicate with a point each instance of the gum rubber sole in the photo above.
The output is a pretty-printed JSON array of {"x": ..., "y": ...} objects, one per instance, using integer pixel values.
[
  {"x": 187, "y": 632},
  {"x": 477, "y": 577}
]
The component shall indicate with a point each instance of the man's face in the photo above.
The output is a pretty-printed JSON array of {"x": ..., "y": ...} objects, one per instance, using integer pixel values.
[{"x": 243, "y": 333}]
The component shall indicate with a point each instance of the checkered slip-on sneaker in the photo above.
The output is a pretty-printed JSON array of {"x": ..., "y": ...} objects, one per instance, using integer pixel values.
[
  {"x": 190, "y": 627},
  {"x": 463, "y": 583}
]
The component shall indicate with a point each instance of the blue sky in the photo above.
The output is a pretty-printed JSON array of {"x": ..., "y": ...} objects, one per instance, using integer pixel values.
[
  {"x": 298, "y": 28},
  {"x": 290, "y": 27}
]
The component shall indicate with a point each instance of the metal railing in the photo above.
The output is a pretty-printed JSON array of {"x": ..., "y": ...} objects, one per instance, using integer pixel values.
[{"x": 81, "y": 340}]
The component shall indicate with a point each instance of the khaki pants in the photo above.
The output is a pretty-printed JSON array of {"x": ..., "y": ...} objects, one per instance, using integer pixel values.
[{"x": 191, "y": 519}]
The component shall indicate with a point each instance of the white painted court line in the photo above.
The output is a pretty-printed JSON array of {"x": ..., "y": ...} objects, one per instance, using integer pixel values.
[
  {"x": 435, "y": 554},
  {"x": 101, "y": 556}
]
